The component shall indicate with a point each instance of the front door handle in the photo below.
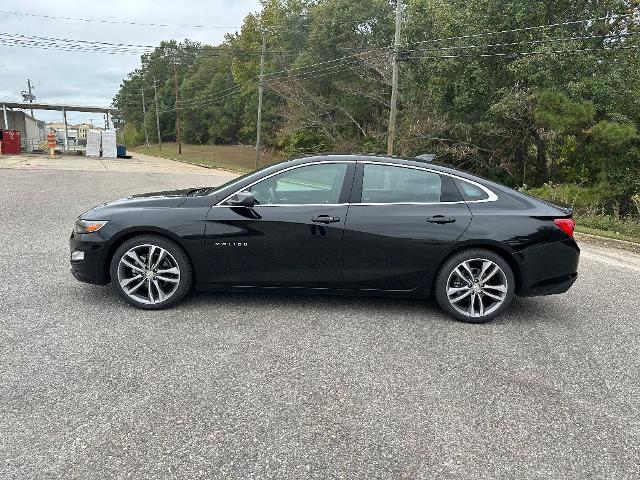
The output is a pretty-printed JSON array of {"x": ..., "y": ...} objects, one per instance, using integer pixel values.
[
  {"x": 325, "y": 219},
  {"x": 441, "y": 219}
]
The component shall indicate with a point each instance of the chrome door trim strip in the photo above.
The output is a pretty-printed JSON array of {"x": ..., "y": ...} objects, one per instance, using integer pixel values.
[{"x": 270, "y": 205}]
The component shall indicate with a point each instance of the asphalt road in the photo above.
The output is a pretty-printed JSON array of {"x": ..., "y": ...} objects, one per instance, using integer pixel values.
[{"x": 273, "y": 386}]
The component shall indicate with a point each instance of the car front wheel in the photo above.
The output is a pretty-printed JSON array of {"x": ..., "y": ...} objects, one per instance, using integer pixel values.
[
  {"x": 475, "y": 286},
  {"x": 151, "y": 272}
]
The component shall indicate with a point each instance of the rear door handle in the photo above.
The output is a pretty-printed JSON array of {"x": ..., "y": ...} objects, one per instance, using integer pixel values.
[
  {"x": 441, "y": 219},
  {"x": 325, "y": 219}
]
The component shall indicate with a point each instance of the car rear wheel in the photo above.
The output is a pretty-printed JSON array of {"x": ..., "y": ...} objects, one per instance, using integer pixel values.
[
  {"x": 475, "y": 286},
  {"x": 151, "y": 272}
]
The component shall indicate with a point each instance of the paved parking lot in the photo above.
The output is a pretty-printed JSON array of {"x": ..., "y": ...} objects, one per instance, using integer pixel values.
[{"x": 272, "y": 386}]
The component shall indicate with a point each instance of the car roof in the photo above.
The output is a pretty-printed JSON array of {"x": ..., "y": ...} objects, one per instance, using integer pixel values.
[{"x": 379, "y": 158}]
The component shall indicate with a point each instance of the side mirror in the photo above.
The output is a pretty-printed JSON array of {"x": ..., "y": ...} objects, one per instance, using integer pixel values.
[{"x": 242, "y": 199}]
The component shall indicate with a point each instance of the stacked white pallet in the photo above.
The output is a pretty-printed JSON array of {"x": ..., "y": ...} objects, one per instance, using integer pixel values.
[
  {"x": 94, "y": 143},
  {"x": 109, "y": 148}
]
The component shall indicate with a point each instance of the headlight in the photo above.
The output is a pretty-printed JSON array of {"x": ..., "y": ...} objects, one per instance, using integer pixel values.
[{"x": 88, "y": 226}]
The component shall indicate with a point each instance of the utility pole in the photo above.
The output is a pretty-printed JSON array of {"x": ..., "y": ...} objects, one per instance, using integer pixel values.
[
  {"x": 31, "y": 96},
  {"x": 144, "y": 118},
  {"x": 394, "y": 80},
  {"x": 28, "y": 94},
  {"x": 175, "y": 75},
  {"x": 155, "y": 94},
  {"x": 260, "y": 90}
]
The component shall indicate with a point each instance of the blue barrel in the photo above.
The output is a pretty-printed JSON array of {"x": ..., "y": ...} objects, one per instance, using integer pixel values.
[{"x": 122, "y": 150}]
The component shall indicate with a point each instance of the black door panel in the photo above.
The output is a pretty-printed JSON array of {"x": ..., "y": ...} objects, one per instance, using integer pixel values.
[
  {"x": 275, "y": 246},
  {"x": 394, "y": 247},
  {"x": 292, "y": 238}
]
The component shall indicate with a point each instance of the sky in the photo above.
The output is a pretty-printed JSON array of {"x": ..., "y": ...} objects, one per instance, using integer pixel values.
[{"x": 81, "y": 78}]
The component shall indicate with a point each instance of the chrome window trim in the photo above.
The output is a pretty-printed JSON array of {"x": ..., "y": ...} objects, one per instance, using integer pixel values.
[
  {"x": 219, "y": 204},
  {"x": 492, "y": 197},
  {"x": 370, "y": 204}
]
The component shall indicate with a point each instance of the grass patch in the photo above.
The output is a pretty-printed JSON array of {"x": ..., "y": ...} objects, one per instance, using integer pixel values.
[
  {"x": 605, "y": 234},
  {"x": 610, "y": 227},
  {"x": 237, "y": 158}
]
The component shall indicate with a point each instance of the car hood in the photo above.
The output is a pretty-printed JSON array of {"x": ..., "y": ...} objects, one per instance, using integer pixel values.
[{"x": 166, "y": 199}]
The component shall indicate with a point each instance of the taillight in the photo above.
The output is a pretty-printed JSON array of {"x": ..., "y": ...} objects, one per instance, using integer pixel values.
[{"x": 566, "y": 225}]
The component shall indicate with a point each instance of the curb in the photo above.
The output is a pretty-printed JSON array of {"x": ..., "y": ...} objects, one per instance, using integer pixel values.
[{"x": 607, "y": 242}]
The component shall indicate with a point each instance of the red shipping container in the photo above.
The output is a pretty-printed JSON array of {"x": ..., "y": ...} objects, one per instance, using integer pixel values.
[{"x": 10, "y": 144}]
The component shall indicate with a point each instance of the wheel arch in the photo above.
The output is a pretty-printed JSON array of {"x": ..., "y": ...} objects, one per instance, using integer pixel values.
[
  {"x": 506, "y": 252},
  {"x": 138, "y": 232}
]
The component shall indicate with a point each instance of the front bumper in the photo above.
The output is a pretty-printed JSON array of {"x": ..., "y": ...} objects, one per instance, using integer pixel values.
[
  {"x": 551, "y": 268},
  {"x": 93, "y": 267}
]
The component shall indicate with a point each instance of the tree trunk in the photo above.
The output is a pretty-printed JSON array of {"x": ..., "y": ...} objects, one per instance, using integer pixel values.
[{"x": 542, "y": 168}]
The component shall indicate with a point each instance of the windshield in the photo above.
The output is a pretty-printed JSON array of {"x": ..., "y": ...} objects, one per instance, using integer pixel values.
[{"x": 236, "y": 180}]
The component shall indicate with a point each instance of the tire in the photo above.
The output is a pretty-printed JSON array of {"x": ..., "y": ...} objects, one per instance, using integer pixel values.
[
  {"x": 166, "y": 283},
  {"x": 463, "y": 293}
]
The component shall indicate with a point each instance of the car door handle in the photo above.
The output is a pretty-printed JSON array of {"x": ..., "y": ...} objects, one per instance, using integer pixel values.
[
  {"x": 441, "y": 219},
  {"x": 325, "y": 219}
]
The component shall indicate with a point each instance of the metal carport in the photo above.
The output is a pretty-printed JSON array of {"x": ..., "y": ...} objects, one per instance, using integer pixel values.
[{"x": 52, "y": 106}]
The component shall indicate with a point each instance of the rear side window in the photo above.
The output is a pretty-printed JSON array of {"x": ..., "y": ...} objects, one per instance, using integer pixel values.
[
  {"x": 395, "y": 184},
  {"x": 471, "y": 192}
]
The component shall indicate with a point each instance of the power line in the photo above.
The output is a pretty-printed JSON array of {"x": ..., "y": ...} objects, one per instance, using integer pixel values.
[
  {"x": 115, "y": 22},
  {"x": 215, "y": 97},
  {"x": 528, "y": 42},
  {"x": 524, "y": 29},
  {"x": 167, "y": 25},
  {"x": 287, "y": 70},
  {"x": 539, "y": 52},
  {"x": 65, "y": 44},
  {"x": 41, "y": 46},
  {"x": 189, "y": 106},
  {"x": 90, "y": 42}
]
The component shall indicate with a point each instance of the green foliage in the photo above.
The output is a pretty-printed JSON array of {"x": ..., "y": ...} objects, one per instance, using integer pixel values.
[
  {"x": 603, "y": 198},
  {"x": 613, "y": 135},
  {"x": 556, "y": 111},
  {"x": 305, "y": 141},
  {"x": 132, "y": 135}
]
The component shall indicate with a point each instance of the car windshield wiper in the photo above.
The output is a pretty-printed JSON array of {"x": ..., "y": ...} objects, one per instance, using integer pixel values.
[{"x": 197, "y": 192}]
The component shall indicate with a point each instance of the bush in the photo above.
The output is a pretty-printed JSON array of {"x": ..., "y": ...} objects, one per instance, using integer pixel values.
[
  {"x": 595, "y": 207},
  {"x": 602, "y": 199},
  {"x": 132, "y": 136},
  {"x": 305, "y": 141}
]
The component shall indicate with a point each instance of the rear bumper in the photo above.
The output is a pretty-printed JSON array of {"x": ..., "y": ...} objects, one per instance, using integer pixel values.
[
  {"x": 550, "y": 269},
  {"x": 92, "y": 269}
]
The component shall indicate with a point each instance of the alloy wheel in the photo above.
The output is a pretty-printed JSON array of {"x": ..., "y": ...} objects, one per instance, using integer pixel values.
[
  {"x": 148, "y": 274},
  {"x": 477, "y": 287}
]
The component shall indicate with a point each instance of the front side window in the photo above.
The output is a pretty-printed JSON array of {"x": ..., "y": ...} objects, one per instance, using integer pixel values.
[
  {"x": 311, "y": 184},
  {"x": 395, "y": 184}
]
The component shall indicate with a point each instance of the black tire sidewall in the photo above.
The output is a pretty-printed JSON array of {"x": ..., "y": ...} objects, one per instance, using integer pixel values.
[
  {"x": 440, "y": 286},
  {"x": 186, "y": 271}
]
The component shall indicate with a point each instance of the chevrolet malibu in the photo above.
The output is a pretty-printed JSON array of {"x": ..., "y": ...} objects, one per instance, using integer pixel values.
[{"x": 363, "y": 225}]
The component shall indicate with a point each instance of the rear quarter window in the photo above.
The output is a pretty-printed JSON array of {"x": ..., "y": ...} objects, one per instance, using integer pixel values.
[{"x": 471, "y": 192}]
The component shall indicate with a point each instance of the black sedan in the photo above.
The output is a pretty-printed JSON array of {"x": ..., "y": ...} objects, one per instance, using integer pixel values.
[{"x": 355, "y": 224}]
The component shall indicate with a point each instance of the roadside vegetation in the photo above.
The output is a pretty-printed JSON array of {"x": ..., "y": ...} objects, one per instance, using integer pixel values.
[
  {"x": 237, "y": 158},
  {"x": 553, "y": 110},
  {"x": 597, "y": 210}
]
